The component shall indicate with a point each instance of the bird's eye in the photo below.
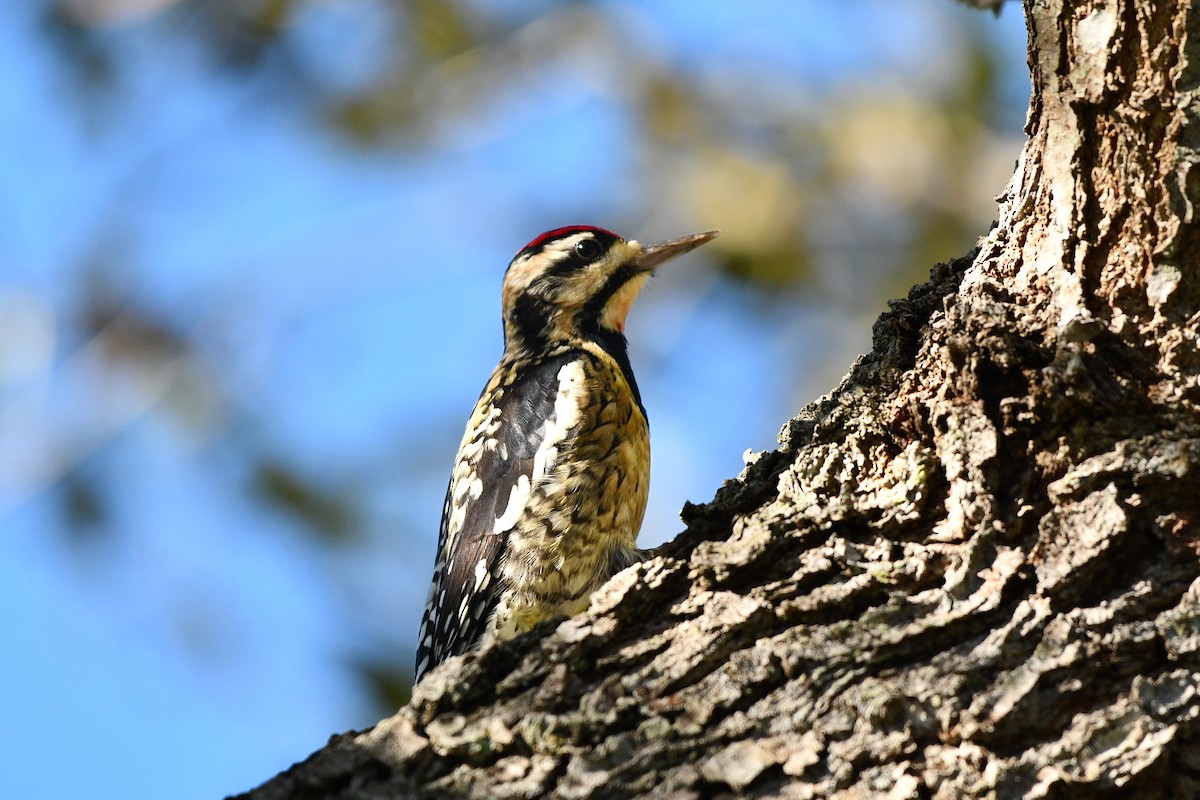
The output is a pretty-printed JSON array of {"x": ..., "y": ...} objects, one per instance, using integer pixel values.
[{"x": 588, "y": 249}]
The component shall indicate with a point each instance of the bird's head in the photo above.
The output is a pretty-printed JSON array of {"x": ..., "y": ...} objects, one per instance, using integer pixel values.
[{"x": 578, "y": 283}]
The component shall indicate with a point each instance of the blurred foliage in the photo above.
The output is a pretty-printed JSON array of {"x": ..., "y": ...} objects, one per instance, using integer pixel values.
[
  {"x": 754, "y": 172},
  {"x": 876, "y": 178},
  {"x": 389, "y": 684},
  {"x": 328, "y": 513},
  {"x": 83, "y": 504}
]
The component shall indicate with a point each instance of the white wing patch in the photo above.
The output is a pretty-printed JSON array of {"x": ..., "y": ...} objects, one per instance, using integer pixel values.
[
  {"x": 567, "y": 405},
  {"x": 517, "y": 500}
]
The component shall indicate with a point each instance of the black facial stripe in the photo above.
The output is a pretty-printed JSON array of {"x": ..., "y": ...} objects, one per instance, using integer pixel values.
[
  {"x": 571, "y": 261},
  {"x": 612, "y": 341},
  {"x": 589, "y": 320},
  {"x": 565, "y": 265}
]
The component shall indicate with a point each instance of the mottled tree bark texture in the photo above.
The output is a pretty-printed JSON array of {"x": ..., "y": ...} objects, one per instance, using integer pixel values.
[{"x": 973, "y": 570}]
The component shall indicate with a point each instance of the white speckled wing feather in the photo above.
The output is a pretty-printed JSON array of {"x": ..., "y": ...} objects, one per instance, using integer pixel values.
[{"x": 502, "y": 456}]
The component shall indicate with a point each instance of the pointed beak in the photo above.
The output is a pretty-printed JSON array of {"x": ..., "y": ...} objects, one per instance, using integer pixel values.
[{"x": 656, "y": 254}]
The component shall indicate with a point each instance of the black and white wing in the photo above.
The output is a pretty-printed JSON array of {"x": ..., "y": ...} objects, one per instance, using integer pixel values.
[{"x": 488, "y": 491}]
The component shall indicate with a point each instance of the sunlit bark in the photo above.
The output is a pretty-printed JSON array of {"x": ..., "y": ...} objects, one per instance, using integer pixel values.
[{"x": 970, "y": 571}]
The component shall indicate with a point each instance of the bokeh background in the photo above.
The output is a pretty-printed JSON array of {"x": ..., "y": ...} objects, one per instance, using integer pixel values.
[{"x": 250, "y": 257}]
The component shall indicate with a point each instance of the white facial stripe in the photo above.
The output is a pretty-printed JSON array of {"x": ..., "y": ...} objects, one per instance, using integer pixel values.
[
  {"x": 521, "y": 273},
  {"x": 559, "y": 249}
]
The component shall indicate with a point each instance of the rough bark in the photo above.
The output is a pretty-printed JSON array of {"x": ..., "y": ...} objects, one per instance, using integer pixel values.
[{"x": 970, "y": 571}]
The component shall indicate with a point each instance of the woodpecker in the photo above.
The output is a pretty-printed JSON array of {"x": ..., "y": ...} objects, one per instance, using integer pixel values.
[{"x": 549, "y": 486}]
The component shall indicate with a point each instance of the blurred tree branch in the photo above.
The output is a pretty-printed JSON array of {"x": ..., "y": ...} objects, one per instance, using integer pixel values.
[
  {"x": 857, "y": 178},
  {"x": 971, "y": 571}
]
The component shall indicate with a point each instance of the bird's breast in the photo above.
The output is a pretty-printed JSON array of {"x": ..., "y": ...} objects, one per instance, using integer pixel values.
[{"x": 587, "y": 494}]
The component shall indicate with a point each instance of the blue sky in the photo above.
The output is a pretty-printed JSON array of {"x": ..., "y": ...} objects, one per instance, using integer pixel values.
[{"x": 344, "y": 300}]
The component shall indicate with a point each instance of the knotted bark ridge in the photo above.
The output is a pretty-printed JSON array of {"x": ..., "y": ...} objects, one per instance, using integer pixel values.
[{"x": 972, "y": 570}]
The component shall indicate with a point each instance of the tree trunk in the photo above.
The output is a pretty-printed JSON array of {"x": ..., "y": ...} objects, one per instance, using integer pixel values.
[{"x": 970, "y": 571}]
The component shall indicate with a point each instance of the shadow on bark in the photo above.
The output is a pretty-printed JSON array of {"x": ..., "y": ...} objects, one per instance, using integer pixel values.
[{"x": 970, "y": 571}]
